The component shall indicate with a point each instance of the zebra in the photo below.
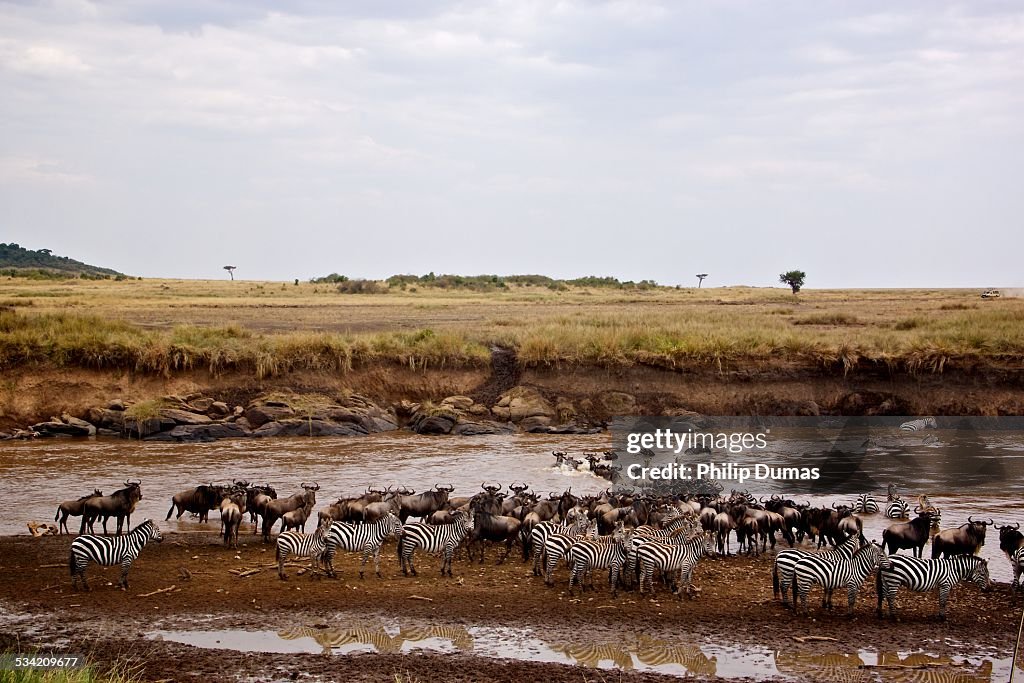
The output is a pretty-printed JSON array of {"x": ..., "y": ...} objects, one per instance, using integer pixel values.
[
  {"x": 832, "y": 573},
  {"x": 917, "y": 425},
  {"x": 460, "y": 638},
  {"x": 787, "y": 559},
  {"x": 897, "y": 509},
  {"x": 865, "y": 504},
  {"x": 365, "y": 536},
  {"x": 330, "y": 638},
  {"x": 681, "y": 557},
  {"x": 1017, "y": 562},
  {"x": 923, "y": 504},
  {"x": 439, "y": 538},
  {"x": 557, "y": 545},
  {"x": 921, "y": 576},
  {"x": 892, "y": 493},
  {"x": 587, "y": 555},
  {"x": 540, "y": 532},
  {"x": 110, "y": 550},
  {"x": 302, "y": 545}
]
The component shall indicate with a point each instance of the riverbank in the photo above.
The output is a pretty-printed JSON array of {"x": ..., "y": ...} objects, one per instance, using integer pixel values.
[{"x": 212, "y": 592}]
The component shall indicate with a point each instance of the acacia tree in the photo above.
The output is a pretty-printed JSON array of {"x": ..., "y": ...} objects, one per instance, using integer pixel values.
[
  {"x": 231, "y": 271},
  {"x": 794, "y": 278},
  {"x": 700, "y": 279}
]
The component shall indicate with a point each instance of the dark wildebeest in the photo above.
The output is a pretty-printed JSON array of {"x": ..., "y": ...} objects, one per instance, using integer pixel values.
[
  {"x": 256, "y": 497},
  {"x": 199, "y": 500},
  {"x": 493, "y": 528},
  {"x": 72, "y": 508},
  {"x": 966, "y": 539},
  {"x": 908, "y": 535},
  {"x": 422, "y": 505},
  {"x": 276, "y": 509},
  {"x": 120, "y": 504}
]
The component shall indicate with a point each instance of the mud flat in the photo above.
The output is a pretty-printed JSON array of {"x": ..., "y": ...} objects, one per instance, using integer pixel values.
[{"x": 493, "y": 622}]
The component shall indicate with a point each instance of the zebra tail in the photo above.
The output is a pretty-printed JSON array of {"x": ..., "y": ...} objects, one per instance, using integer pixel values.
[
  {"x": 71, "y": 563},
  {"x": 775, "y": 580}
]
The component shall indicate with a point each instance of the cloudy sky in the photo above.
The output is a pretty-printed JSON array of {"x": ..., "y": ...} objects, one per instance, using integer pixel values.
[{"x": 867, "y": 143}]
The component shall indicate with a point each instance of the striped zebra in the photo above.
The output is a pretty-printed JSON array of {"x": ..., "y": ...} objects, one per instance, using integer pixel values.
[
  {"x": 540, "y": 532},
  {"x": 587, "y": 555},
  {"x": 592, "y": 654},
  {"x": 439, "y": 538},
  {"x": 918, "y": 425},
  {"x": 787, "y": 559},
  {"x": 1017, "y": 562},
  {"x": 672, "y": 557},
  {"x": 557, "y": 545},
  {"x": 836, "y": 573},
  {"x": 921, "y": 576},
  {"x": 659, "y": 653},
  {"x": 673, "y": 528},
  {"x": 897, "y": 509},
  {"x": 366, "y": 537},
  {"x": 865, "y": 504},
  {"x": 892, "y": 493},
  {"x": 110, "y": 550},
  {"x": 301, "y": 544}
]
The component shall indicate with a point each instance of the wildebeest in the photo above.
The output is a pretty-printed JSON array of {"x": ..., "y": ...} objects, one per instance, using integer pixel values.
[
  {"x": 423, "y": 504},
  {"x": 120, "y": 504},
  {"x": 275, "y": 509},
  {"x": 495, "y": 528},
  {"x": 256, "y": 498},
  {"x": 199, "y": 499},
  {"x": 908, "y": 535},
  {"x": 72, "y": 508},
  {"x": 966, "y": 539},
  {"x": 232, "y": 509}
]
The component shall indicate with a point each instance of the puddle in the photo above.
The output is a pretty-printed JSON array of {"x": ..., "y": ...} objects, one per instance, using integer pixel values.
[{"x": 629, "y": 652}]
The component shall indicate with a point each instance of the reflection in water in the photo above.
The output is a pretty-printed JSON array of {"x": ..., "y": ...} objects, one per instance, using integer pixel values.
[
  {"x": 933, "y": 669},
  {"x": 834, "y": 667},
  {"x": 643, "y": 652},
  {"x": 378, "y": 638},
  {"x": 593, "y": 654},
  {"x": 659, "y": 653}
]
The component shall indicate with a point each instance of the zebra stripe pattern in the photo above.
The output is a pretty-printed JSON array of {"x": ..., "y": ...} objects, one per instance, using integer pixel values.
[
  {"x": 918, "y": 425},
  {"x": 898, "y": 509},
  {"x": 540, "y": 532},
  {"x": 787, "y": 559},
  {"x": 668, "y": 557},
  {"x": 1017, "y": 562},
  {"x": 557, "y": 545},
  {"x": 921, "y": 576},
  {"x": 836, "y": 573},
  {"x": 439, "y": 538},
  {"x": 365, "y": 537},
  {"x": 301, "y": 545},
  {"x": 865, "y": 504},
  {"x": 110, "y": 550},
  {"x": 586, "y": 556}
]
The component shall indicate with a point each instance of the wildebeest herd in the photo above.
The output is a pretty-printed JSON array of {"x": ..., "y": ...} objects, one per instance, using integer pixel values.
[{"x": 634, "y": 536}]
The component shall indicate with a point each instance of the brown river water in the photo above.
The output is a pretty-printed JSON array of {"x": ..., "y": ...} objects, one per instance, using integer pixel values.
[{"x": 36, "y": 476}]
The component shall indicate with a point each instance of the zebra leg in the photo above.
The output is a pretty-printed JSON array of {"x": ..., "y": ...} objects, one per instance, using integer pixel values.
[
  {"x": 943, "y": 599},
  {"x": 328, "y": 558},
  {"x": 281, "y": 557},
  {"x": 126, "y": 564},
  {"x": 851, "y": 599},
  {"x": 573, "y": 575}
]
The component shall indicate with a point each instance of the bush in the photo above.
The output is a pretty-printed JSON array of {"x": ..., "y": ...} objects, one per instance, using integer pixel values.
[{"x": 362, "y": 287}]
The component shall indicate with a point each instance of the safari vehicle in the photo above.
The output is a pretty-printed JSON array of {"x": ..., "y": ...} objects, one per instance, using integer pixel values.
[{"x": 990, "y": 294}]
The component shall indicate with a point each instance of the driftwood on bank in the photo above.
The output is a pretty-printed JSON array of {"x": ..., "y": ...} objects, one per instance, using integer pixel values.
[{"x": 157, "y": 592}]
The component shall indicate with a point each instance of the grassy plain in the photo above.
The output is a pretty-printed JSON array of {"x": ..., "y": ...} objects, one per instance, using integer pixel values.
[{"x": 268, "y": 328}]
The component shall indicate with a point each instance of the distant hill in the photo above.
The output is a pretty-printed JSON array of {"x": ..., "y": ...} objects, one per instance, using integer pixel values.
[{"x": 16, "y": 260}]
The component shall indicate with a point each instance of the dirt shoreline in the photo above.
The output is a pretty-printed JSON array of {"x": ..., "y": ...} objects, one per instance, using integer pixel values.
[{"x": 735, "y": 600}]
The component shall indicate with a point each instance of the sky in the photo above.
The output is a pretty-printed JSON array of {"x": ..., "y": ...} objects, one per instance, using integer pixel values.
[{"x": 870, "y": 144}]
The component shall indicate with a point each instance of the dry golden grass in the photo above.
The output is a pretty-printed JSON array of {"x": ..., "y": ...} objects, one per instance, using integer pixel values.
[{"x": 268, "y": 328}]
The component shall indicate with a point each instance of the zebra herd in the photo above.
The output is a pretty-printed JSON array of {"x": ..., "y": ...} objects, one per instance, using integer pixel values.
[{"x": 631, "y": 538}]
